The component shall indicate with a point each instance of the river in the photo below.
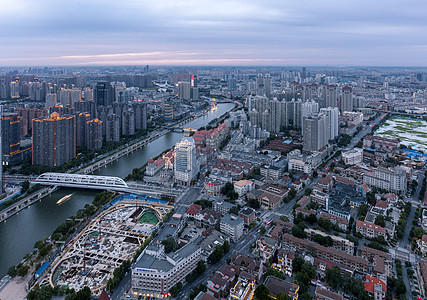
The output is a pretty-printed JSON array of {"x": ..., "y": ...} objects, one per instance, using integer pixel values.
[{"x": 19, "y": 233}]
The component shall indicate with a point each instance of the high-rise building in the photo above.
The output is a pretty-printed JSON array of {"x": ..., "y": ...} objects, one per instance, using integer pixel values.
[
  {"x": 291, "y": 117},
  {"x": 140, "y": 109},
  {"x": 347, "y": 99},
  {"x": 314, "y": 132},
  {"x": 259, "y": 103},
  {"x": 75, "y": 95},
  {"x": 128, "y": 122},
  {"x": 85, "y": 107},
  {"x": 194, "y": 93},
  {"x": 104, "y": 93},
  {"x": 329, "y": 95},
  {"x": 51, "y": 100},
  {"x": 81, "y": 120},
  {"x": 112, "y": 128},
  {"x": 194, "y": 81},
  {"x": 36, "y": 91},
  {"x": 263, "y": 85},
  {"x": 93, "y": 134},
  {"x": 275, "y": 117},
  {"x": 54, "y": 140},
  {"x": 333, "y": 121},
  {"x": 65, "y": 97},
  {"x": 26, "y": 115},
  {"x": 88, "y": 94},
  {"x": 186, "y": 165},
  {"x": 14, "y": 89},
  {"x": 231, "y": 83},
  {"x": 122, "y": 94},
  {"x": 310, "y": 92},
  {"x": 10, "y": 138},
  {"x": 359, "y": 102},
  {"x": 308, "y": 108},
  {"x": 254, "y": 117},
  {"x": 184, "y": 90}
]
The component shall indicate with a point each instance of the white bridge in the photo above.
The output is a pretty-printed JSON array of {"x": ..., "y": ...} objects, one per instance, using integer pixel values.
[
  {"x": 101, "y": 183},
  {"x": 82, "y": 181}
]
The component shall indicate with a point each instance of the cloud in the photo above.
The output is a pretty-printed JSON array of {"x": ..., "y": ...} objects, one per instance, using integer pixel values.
[{"x": 37, "y": 32}]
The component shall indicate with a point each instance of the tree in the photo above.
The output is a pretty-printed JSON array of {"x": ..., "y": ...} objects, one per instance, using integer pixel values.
[
  {"x": 226, "y": 246},
  {"x": 363, "y": 209},
  {"x": 262, "y": 230},
  {"x": 298, "y": 232},
  {"x": 307, "y": 191},
  {"x": 282, "y": 296},
  {"x": 297, "y": 264},
  {"x": 308, "y": 268},
  {"x": 25, "y": 186},
  {"x": 234, "y": 210},
  {"x": 253, "y": 203},
  {"x": 333, "y": 277},
  {"x": 11, "y": 271},
  {"x": 262, "y": 292},
  {"x": 169, "y": 244},
  {"x": 380, "y": 221}
]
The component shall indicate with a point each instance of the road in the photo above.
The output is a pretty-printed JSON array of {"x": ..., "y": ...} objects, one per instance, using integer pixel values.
[
  {"x": 404, "y": 243},
  {"x": 242, "y": 245}
]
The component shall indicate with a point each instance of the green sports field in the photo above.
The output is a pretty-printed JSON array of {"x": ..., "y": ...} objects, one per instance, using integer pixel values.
[{"x": 149, "y": 218}]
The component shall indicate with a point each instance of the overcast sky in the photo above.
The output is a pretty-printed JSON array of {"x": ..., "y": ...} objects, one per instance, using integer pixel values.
[{"x": 219, "y": 32}]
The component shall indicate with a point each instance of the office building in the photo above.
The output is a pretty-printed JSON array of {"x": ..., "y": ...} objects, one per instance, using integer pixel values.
[
  {"x": 10, "y": 138},
  {"x": 347, "y": 99},
  {"x": 54, "y": 140},
  {"x": 104, "y": 93},
  {"x": 186, "y": 165},
  {"x": 93, "y": 135},
  {"x": 155, "y": 272}
]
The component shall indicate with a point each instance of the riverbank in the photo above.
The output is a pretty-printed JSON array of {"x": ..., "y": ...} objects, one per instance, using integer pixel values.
[{"x": 40, "y": 219}]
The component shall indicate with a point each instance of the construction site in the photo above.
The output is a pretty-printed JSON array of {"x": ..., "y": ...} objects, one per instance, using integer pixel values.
[{"x": 104, "y": 244}]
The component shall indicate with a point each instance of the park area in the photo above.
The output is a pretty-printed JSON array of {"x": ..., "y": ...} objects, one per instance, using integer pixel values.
[
  {"x": 149, "y": 218},
  {"x": 411, "y": 132}
]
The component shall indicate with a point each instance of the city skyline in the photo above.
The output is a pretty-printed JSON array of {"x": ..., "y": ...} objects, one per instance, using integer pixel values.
[{"x": 216, "y": 33}]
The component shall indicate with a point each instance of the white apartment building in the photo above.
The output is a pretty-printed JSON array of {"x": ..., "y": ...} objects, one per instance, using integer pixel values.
[
  {"x": 392, "y": 180},
  {"x": 232, "y": 225}
]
